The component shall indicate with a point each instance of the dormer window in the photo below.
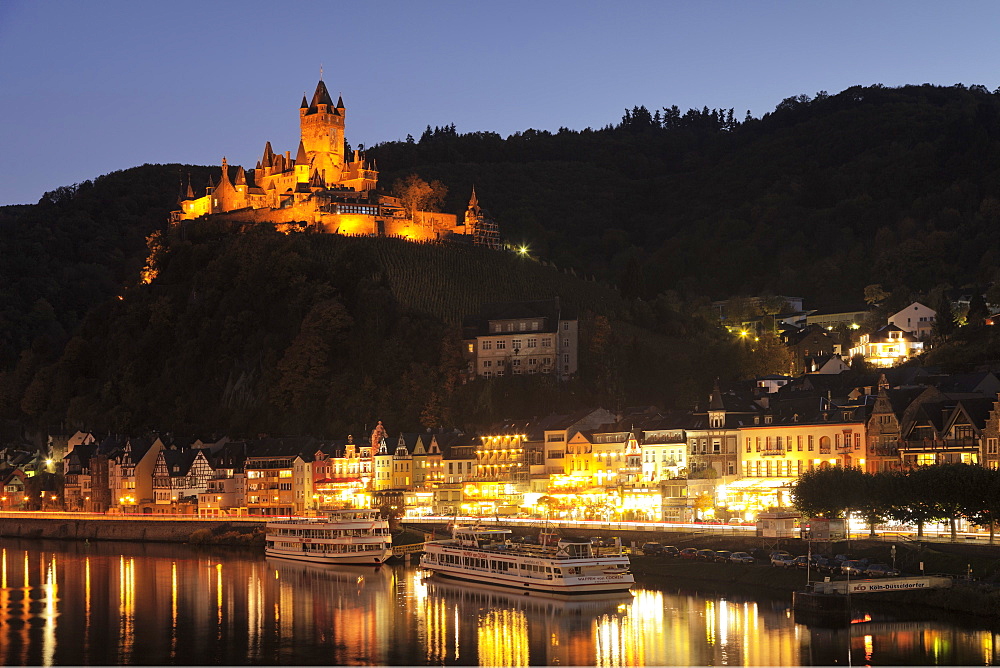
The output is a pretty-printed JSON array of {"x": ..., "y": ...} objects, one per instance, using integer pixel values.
[{"x": 767, "y": 419}]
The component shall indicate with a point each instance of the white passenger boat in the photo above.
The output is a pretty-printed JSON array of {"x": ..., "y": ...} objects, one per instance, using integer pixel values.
[
  {"x": 573, "y": 566},
  {"x": 340, "y": 537}
]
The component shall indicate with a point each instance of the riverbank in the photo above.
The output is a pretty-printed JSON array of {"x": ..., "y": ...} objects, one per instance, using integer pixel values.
[
  {"x": 137, "y": 529},
  {"x": 980, "y": 598}
]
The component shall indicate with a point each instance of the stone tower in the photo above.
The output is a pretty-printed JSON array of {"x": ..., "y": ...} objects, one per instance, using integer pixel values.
[{"x": 322, "y": 129}]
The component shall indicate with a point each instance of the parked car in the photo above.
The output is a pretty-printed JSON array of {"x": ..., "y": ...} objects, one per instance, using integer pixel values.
[
  {"x": 741, "y": 558},
  {"x": 827, "y": 565},
  {"x": 688, "y": 553},
  {"x": 603, "y": 541},
  {"x": 881, "y": 571},
  {"x": 722, "y": 555},
  {"x": 853, "y": 567},
  {"x": 801, "y": 561},
  {"x": 706, "y": 555},
  {"x": 782, "y": 560},
  {"x": 652, "y": 549},
  {"x": 671, "y": 551}
]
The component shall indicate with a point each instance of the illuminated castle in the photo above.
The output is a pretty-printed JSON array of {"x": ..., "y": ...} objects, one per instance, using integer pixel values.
[{"x": 320, "y": 189}]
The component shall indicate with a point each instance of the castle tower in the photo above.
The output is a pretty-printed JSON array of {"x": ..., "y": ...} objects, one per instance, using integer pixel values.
[
  {"x": 480, "y": 225},
  {"x": 322, "y": 132}
]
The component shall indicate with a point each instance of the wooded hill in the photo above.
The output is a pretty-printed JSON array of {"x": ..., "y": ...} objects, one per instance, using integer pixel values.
[
  {"x": 823, "y": 196},
  {"x": 638, "y": 225}
]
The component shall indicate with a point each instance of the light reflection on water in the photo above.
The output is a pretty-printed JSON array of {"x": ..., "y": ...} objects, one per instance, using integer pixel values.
[{"x": 112, "y": 604}]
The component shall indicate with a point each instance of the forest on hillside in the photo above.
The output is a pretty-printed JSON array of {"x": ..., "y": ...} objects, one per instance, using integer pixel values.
[
  {"x": 821, "y": 197},
  {"x": 637, "y": 225}
]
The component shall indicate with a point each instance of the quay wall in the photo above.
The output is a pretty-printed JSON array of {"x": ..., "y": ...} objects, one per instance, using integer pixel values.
[{"x": 139, "y": 530}]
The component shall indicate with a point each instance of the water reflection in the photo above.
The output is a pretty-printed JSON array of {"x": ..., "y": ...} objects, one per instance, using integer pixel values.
[{"x": 109, "y": 604}]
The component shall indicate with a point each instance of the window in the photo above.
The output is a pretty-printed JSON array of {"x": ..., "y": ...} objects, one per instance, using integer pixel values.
[
  {"x": 522, "y": 325},
  {"x": 487, "y": 374},
  {"x": 472, "y": 347},
  {"x": 565, "y": 326},
  {"x": 516, "y": 362},
  {"x": 501, "y": 344},
  {"x": 515, "y": 344},
  {"x": 510, "y": 327},
  {"x": 487, "y": 363},
  {"x": 532, "y": 361},
  {"x": 748, "y": 444},
  {"x": 565, "y": 343},
  {"x": 991, "y": 446},
  {"x": 532, "y": 343},
  {"x": 798, "y": 443},
  {"x": 810, "y": 443},
  {"x": 487, "y": 345},
  {"x": 546, "y": 342}
]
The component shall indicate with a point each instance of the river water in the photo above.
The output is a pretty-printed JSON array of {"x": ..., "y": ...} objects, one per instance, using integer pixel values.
[{"x": 157, "y": 604}]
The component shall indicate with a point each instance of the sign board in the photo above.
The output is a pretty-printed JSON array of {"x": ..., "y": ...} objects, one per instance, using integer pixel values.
[
  {"x": 824, "y": 530},
  {"x": 776, "y": 525},
  {"x": 881, "y": 585}
]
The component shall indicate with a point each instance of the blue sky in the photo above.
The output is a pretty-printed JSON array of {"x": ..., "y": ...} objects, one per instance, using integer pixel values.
[{"x": 92, "y": 87}]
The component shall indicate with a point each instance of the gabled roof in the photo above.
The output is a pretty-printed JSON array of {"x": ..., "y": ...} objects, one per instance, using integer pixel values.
[{"x": 550, "y": 311}]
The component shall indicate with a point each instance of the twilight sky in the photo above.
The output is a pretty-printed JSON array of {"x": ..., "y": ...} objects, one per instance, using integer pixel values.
[{"x": 88, "y": 88}]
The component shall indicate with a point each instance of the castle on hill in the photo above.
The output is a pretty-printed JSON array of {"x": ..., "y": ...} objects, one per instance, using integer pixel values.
[{"x": 324, "y": 190}]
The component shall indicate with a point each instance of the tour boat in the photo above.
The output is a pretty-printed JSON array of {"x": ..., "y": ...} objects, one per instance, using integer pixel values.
[
  {"x": 573, "y": 566},
  {"x": 340, "y": 537}
]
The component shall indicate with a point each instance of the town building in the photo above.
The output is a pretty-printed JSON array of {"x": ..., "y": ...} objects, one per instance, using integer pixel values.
[
  {"x": 887, "y": 346},
  {"x": 514, "y": 338},
  {"x": 916, "y": 320}
]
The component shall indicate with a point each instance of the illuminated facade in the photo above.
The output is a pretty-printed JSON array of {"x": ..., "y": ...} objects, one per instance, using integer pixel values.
[
  {"x": 279, "y": 480},
  {"x": 321, "y": 189},
  {"x": 887, "y": 347},
  {"x": 788, "y": 440}
]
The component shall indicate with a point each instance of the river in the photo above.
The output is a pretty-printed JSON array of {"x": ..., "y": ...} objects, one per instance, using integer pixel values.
[{"x": 71, "y": 603}]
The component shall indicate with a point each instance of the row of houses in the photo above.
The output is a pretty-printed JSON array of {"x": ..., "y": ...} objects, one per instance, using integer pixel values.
[{"x": 734, "y": 456}]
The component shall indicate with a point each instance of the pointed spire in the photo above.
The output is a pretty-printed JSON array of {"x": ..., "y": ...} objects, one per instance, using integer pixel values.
[
  {"x": 305, "y": 103},
  {"x": 225, "y": 173},
  {"x": 268, "y": 155},
  {"x": 241, "y": 177},
  {"x": 321, "y": 96},
  {"x": 715, "y": 401},
  {"x": 300, "y": 156},
  {"x": 340, "y": 101},
  {"x": 473, "y": 201},
  {"x": 190, "y": 191}
]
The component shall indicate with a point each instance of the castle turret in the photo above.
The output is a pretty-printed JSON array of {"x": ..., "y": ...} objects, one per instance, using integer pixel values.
[{"x": 301, "y": 165}]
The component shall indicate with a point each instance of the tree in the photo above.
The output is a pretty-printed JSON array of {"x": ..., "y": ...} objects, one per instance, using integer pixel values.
[
  {"x": 417, "y": 195},
  {"x": 944, "y": 319},
  {"x": 978, "y": 312},
  {"x": 875, "y": 295}
]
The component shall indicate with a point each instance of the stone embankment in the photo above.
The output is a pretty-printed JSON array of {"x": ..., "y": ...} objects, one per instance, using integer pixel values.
[{"x": 134, "y": 530}]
